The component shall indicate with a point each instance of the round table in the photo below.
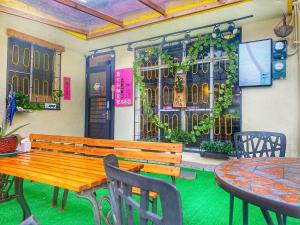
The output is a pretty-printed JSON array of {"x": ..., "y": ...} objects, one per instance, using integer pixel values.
[{"x": 270, "y": 183}]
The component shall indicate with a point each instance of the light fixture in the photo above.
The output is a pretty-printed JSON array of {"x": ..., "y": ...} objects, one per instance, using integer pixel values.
[
  {"x": 216, "y": 32},
  {"x": 187, "y": 37},
  {"x": 112, "y": 53},
  {"x": 232, "y": 29},
  {"x": 129, "y": 48}
]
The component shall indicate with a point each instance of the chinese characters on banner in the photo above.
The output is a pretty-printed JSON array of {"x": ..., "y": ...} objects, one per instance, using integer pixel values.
[
  {"x": 67, "y": 88},
  {"x": 123, "y": 87}
]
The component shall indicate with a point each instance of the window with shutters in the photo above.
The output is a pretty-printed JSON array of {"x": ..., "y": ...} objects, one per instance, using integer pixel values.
[{"x": 34, "y": 71}]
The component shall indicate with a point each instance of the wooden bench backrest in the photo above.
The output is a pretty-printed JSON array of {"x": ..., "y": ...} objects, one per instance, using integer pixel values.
[{"x": 157, "y": 157}]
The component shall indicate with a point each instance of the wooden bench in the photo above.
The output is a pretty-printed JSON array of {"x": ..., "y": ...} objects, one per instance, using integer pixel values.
[{"x": 159, "y": 158}]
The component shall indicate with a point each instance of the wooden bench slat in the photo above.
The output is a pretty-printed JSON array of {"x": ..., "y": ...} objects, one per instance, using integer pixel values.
[
  {"x": 161, "y": 157},
  {"x": 155, "y": 146},
  {"x": 162, "y": 169},
  {"x": 137, "y": 191},
  {"x": 84, "y": 165}
]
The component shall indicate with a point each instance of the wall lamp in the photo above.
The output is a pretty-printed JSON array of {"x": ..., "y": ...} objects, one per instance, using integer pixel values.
[
  {"x": 216, "y": 32},
  {"x": 187, "y": 37},
  {"x": 129, "y": 48},
  {"x": 231, "y": 30}
]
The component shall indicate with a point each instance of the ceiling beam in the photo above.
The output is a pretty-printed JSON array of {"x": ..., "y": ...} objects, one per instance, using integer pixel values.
[
  {"x": 32, "y": 39},
  {"x": 202, "y": 8},
  {"x": 90, "y": 11},
  {"x": 153, "y": 6},
  {"x": 40, "y": 19}
]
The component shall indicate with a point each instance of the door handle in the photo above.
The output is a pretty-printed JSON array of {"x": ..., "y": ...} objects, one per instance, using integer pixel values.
[{"x": 107, "y": 115}]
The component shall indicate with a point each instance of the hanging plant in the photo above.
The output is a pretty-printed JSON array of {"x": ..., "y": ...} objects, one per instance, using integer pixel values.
[
  {"x": 226, "y": 89},
  {"x": 179, "y": 83}
]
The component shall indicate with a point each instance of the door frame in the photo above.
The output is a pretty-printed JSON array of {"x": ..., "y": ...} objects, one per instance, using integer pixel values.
[{"x": 110, "y": 66}]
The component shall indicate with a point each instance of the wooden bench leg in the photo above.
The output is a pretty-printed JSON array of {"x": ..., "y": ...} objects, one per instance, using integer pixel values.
[
  {"x": 64, "y": 200},
  {"x": 55, "y": 196}
]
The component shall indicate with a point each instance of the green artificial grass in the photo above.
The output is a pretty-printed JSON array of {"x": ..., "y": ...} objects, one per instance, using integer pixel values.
[{"x": 203, "y": 203}]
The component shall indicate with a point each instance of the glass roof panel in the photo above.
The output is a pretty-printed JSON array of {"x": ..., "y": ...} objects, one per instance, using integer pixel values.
[
  {"x": 115, "y": 8},
  {"x": 178, "y": 5},
  {"x": 132, "y": 13},
  {"x": 66, "y": 14}
]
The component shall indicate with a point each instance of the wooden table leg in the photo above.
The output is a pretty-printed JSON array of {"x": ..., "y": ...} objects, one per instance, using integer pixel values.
[
  {"x": 55, "y": 196},
  {"x": 64, "y": 199},
  {"x": 20, "y": 197}
]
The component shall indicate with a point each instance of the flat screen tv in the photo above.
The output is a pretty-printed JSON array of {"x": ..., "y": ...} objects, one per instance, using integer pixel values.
[{"x": 255, "y": 63}]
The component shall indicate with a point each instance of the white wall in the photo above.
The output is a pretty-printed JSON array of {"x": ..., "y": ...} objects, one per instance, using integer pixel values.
[
  {"x": 70, "y": 119},
  {"x": 273, "y": 108}
]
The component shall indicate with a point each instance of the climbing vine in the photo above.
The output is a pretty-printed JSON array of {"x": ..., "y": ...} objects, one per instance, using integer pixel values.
[{"x": 226, "y": 89}]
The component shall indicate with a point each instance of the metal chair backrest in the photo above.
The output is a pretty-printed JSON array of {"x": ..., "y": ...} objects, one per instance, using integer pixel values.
[
  {"x": 131, "y": 210},
  {"x": 259, "y": 144}
]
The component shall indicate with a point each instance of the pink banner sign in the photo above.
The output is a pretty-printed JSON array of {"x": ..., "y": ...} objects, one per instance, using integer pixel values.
[
  {"x": 67, "y": 88},
  {"x": 123, "y": 87}
]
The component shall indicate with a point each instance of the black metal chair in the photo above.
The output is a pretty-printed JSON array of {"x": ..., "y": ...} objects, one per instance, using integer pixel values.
[
  {"x": 124, "y": 206},
  {"x": 257, "y": 144},
  {"x": 30, "y": 221}
]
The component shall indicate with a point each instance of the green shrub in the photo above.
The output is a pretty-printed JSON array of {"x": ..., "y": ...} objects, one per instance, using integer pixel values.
[
  {"x": 217, "y": 147},
  {"x": 180, "y": 136}
]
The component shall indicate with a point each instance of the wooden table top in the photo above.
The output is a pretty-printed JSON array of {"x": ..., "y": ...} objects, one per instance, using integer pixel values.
[
  {"x": 271, "y": 183},
  {"x": 69, "y": 171}
]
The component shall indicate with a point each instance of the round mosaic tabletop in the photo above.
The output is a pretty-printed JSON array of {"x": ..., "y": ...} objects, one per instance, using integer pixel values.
[{"x": 270, "y": 183}]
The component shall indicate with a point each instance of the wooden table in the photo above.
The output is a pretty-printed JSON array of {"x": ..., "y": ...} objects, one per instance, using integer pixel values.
[
  {"x": 78, "y": 173},
  {"x": 270, "y": 183}
]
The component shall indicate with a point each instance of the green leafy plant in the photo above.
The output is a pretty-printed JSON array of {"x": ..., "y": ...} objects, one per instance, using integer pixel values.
[
  {"x": 56, "y": 95},
  {"x": 180, "y": 136},
  {"x": 179, "y": 86},
  {"x": 22, "y": 101},
  {"x": 5, "y": 133},
  {"x": 217, "y": 147},
  {"x": 226, "y": 89}
]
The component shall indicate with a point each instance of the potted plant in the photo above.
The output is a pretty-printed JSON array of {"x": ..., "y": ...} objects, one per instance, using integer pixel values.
[
  {"x": 24, "y": 105},
  {"x": 8, "y": 139},
  {"x": 216, "y": 149}
]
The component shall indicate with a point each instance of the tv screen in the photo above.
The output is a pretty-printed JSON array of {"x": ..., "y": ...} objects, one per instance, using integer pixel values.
[{"x": 255, "y": 63}]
